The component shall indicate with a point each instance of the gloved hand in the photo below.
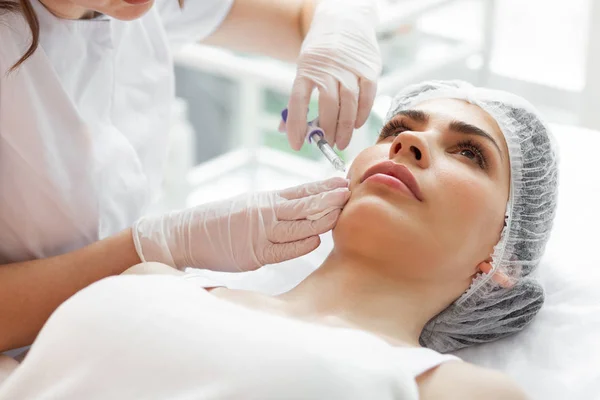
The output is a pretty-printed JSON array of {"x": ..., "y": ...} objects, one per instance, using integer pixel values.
[
  {"x": 246, "y": 232},
  {"x": 340, "y": 56}
]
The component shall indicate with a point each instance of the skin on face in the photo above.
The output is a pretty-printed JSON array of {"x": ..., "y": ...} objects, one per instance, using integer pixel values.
[
  {"x": 464, "y": 180},
  {"x": 119, "y": 9}
]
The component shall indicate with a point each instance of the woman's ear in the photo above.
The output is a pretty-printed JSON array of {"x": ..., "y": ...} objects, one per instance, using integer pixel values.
[{"x": 499, "y": 277}]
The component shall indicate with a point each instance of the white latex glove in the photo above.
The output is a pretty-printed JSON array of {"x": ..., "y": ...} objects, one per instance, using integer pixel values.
[
  {"x": 246, "y": 232},
  {"x": 340, "y": 56}
]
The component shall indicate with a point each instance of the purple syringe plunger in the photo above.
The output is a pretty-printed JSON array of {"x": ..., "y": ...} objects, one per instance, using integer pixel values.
[{"x": 316, "y": 135}]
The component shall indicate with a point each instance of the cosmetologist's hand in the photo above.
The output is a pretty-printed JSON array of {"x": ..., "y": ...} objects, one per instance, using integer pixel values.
[
  {"x": 340, "y": 56},
  {"x": 245, "y": 232}
]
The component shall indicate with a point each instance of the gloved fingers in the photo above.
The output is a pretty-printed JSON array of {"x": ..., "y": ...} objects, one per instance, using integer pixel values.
[
  {"x": 305, "y": 207},
  {"x": 368, "y": 91},
  {"x": 348, "y": 114},
  {"x": 309, "y": 189},
  {"x": 329, "y": 107},
  {"x": 297, "y": 111},
  {"x": 292, "y": 231},
  {"x": 277, "y": 252},
  {"x": 281, "y": 128}
]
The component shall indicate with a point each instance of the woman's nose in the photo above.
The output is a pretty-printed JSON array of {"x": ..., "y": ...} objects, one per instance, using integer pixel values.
[{"x": 411, "y": 148}]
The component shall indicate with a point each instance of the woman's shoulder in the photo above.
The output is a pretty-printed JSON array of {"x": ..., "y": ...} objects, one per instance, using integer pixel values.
[
  {"x": 461, "y": 380},
  {"x": 13, "y": 26},
  {"x": 16, "y": 38}
]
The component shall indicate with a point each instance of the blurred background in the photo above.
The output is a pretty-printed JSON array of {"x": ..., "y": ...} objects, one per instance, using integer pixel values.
[{"x": 224, "y": 138}]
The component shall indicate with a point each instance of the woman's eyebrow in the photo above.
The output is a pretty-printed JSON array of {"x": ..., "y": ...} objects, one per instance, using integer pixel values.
[{"x": 415, "y": 115}]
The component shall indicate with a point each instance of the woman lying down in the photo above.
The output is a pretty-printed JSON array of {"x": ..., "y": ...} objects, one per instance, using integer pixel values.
[{"x": 449, "y": 214}]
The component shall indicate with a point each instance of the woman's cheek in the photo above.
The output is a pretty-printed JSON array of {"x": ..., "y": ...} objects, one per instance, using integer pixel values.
[{"x": 463, "y": 193}]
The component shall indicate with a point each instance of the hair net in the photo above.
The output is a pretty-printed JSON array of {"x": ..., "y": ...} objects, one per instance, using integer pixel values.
[{"x": 487, "y": 311}]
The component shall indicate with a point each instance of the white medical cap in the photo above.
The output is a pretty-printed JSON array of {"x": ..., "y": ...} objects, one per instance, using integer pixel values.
[{"x": 488, "y": 311}]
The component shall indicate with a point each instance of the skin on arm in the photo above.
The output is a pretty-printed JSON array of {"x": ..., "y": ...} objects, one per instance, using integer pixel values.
[
  {"x": 30, "y": 291},
  {"x": 464, "y": 381},
  {"x": 270, "y": 27}
]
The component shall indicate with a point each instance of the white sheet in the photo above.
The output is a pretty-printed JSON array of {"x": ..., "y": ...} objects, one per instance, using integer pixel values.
[
  {"x": 558, "y": 356},
  {"x": 163, "y": 337}
]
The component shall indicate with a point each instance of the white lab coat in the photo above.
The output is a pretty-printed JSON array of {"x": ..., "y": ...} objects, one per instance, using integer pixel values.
[{"x": 84, "y": 123}]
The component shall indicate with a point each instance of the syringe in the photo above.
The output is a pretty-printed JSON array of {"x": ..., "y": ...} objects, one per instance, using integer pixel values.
[{"x": 315, "y": 135}]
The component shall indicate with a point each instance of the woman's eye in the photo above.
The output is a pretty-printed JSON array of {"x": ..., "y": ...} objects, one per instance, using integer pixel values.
[
  {"x": 392, "y": 128},
  {"x": 469, "y": 154},
  {"x": 473, "y": 152}
]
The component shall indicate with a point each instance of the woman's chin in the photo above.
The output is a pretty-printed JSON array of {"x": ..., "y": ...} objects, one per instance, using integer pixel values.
[
  {"x": 369, "y": 222},
  {"x": 371, "y": 208},
  {"x": 130, "y": 11}
]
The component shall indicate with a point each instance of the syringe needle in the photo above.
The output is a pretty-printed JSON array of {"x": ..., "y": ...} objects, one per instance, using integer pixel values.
[{"x": 316, "y": 135}]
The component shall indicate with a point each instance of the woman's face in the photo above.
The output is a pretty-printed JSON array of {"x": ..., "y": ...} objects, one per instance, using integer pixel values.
[
  {"x": 435, "y": 195},
  {"x": 125, "y": 10}
]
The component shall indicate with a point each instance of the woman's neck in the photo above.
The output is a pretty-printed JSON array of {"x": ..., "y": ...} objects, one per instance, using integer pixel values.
[{"x": 360, "y": 294}]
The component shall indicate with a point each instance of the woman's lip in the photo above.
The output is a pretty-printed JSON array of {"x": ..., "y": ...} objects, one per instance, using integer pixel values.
[
  {"x": 398, "y": 172},
  {"x": 136, "y": 2},
  {"x": 392, "y": 182}
]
